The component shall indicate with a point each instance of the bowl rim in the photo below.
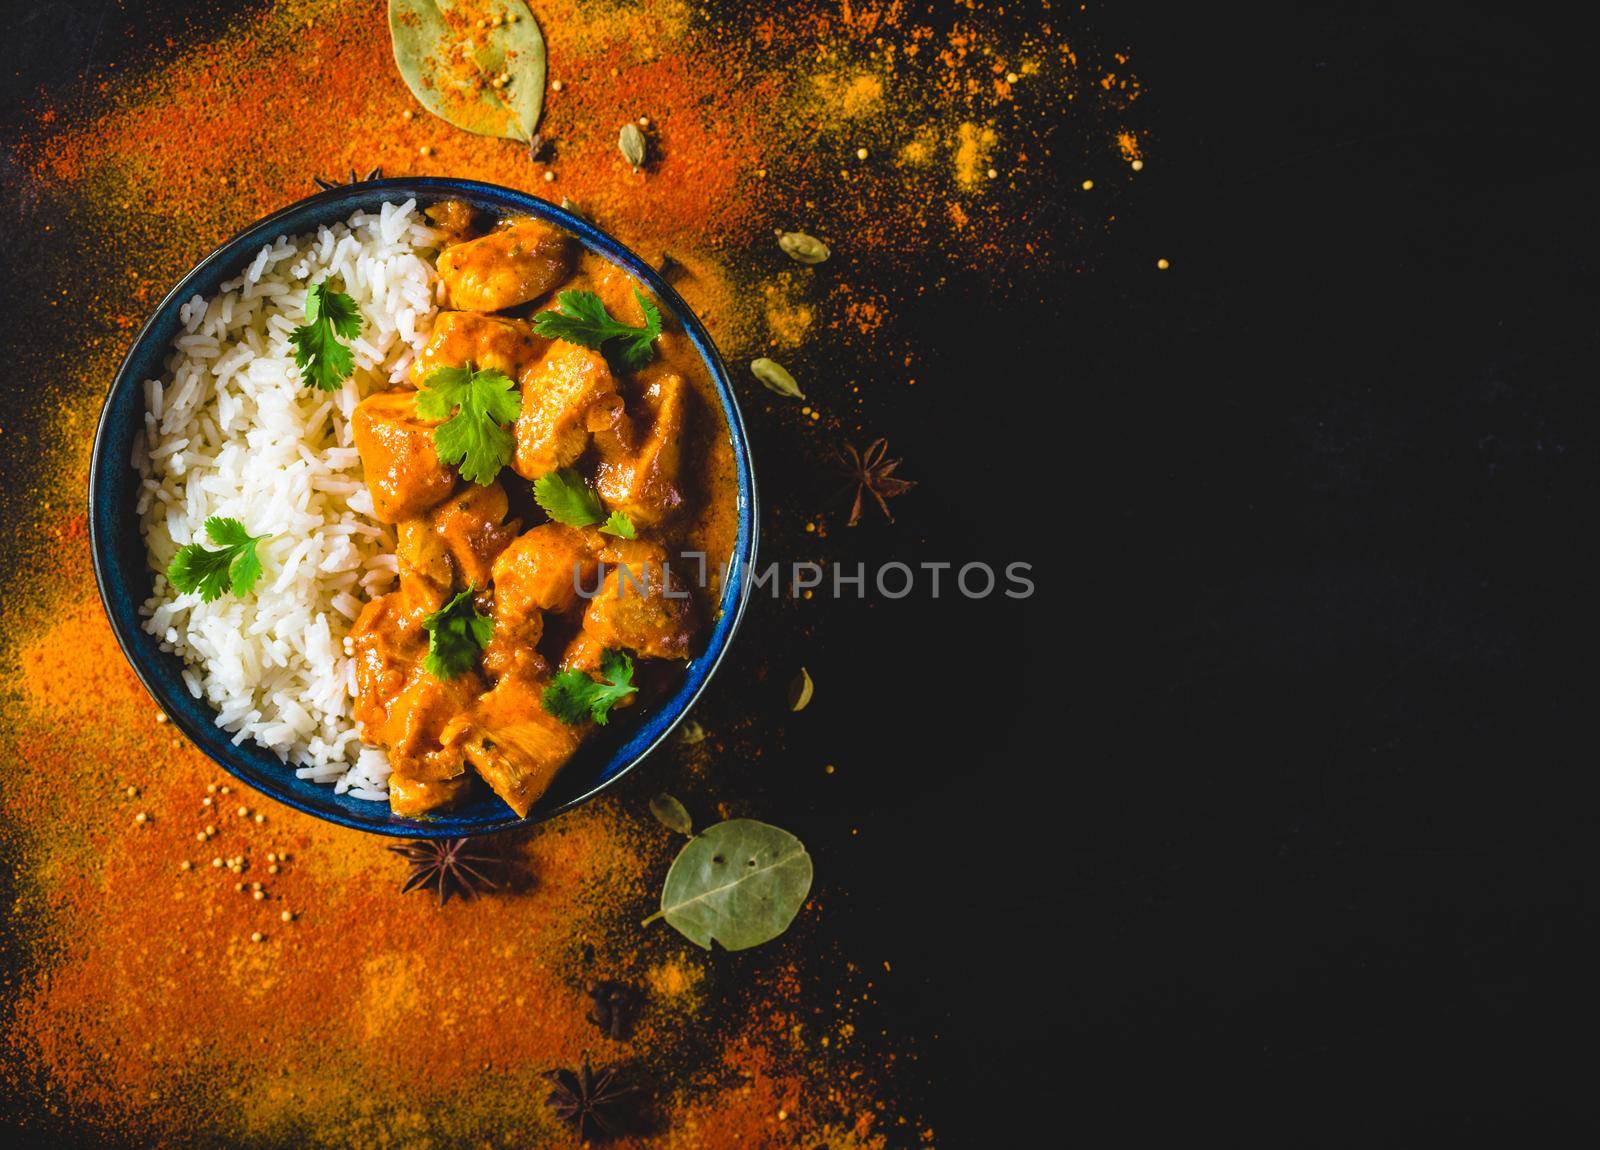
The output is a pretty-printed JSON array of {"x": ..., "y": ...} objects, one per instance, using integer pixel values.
[{"x": 340, "y": 201}]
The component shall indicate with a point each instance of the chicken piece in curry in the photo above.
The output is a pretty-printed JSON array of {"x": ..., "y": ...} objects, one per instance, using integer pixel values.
[{"x": 560, "y": 618}]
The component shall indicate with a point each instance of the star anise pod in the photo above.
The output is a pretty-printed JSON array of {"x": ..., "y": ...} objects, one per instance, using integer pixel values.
[
  {"x": 592, "y": 1103},
  {"x": 449, "y": 866},
  {"x": 871, "y": 473},
  {"x": 329, "y": 185}
]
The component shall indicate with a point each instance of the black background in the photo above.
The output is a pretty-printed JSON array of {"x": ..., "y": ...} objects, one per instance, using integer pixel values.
[{"x": 1272, "y": 813}]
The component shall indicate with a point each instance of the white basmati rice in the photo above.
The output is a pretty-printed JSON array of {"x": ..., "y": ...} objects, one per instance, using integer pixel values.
[{"x": 230, "y": 430}]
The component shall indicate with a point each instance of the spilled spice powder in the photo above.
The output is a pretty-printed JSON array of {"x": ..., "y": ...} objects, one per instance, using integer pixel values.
[{"x": 141, "y": 1002}]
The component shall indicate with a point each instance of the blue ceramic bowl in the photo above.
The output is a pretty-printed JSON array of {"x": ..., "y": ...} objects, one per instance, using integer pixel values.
[{"x": 122, "y": 568}]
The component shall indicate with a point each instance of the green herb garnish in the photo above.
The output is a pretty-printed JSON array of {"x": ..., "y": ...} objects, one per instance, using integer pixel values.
[
  {"x": 456, "y": 633},
  {"x": 566, "y": 498},
  {"x": 583, "y": 319},
  {"x": 475, "y": 438},
  {"x": 236, "y": 567},
  {"x": 619, "y": 525},
  {"x": 324, "y": 362},
  {"x": 573, "y": 697}
]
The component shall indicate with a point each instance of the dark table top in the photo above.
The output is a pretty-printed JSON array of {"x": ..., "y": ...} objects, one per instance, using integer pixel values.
[{"x": 1272, "y": 808}]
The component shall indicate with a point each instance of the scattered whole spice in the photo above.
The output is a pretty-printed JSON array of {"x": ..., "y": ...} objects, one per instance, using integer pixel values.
[
  {"x": 448, "y": 866},
  {"x": 615, "y": 1004},
  {"x": 800, "y": 691},
  {"x": 871, "y": 472},
  {"x": 595, "y": 1104},
  {"x": 803, "y": 248},
  {"x": 670, "y": 813},
  {"x": 631, "y": 142},
  {"x": 329, "y": 185},
  {"x": 775, "y": 378}
]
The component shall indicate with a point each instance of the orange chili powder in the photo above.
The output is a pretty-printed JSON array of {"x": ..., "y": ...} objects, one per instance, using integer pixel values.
[{"x": 142, "y": 1003}]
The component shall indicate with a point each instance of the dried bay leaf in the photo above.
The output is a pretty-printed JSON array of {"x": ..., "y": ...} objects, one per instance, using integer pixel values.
[
  {"x": 800, "y": 691},
  {"x": 775, "y": 378},
  {"x": 450, "y": 64},
  {"x": 670, "y": 813},
  {"x": 803, "y": 248},
  {"x": 740, "y": 883}
]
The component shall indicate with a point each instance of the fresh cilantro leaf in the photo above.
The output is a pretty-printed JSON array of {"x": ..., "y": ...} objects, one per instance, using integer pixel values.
[
  {"x": 476, "y": 438},
  {"x": 619, "y": 525},
  {"x": 583, "y": 319},
  {"x": 566, "y": 498},
  {"x": 323, "y": 361},
  {"x": 236, "y": 567},
  {"x": 456, "y": 633},
  {"x": 573, "y": 696}
]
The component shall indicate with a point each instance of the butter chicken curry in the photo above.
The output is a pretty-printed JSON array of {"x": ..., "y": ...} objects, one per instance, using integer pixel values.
[{"x": 527, "y": 593}]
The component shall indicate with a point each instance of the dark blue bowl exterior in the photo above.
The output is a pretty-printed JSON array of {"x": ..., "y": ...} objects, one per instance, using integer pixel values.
[{"x": 122, "y": 568}]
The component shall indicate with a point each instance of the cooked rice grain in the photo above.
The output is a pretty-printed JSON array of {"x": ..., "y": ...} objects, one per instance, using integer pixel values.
[{"x": 230, "y": 430}]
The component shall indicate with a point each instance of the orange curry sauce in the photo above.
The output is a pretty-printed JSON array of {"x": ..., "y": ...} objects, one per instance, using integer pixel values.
[{"x": 651, "y": 443}]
